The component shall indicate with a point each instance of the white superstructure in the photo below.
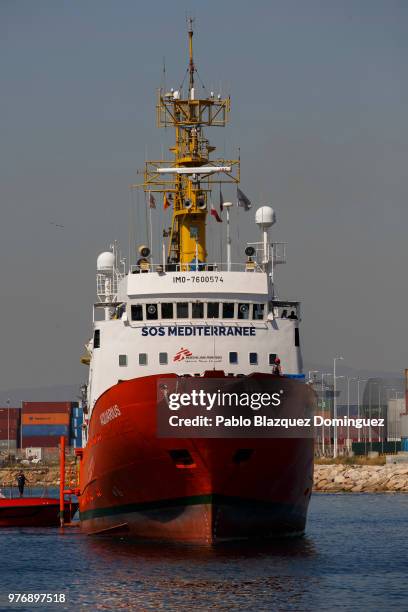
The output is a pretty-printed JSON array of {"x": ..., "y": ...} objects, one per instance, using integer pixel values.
[{"x": 157, "y": 321}]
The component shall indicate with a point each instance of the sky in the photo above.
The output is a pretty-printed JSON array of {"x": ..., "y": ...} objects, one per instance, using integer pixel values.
[{"x": 319, "y": 99}]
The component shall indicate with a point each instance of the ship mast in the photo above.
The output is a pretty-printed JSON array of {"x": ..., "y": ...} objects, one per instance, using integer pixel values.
[{"x": 187, "y": 179}]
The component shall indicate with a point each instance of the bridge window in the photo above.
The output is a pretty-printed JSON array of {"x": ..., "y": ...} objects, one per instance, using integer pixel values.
[
  {"x": 233, "y": 357},
  {"x": 272, "y": 357},
  {"x": 297, "y": 341},
  {"x": 97, "y": 338},
  {"x": 167, "y": 310},
  {"x": 163, "y": 358},
  {"x": 123, "y": 360},
  {"x": 142, "y": 359},
  {"x": 151, "y": 312},
  {"x": 137, "y": 312},
  {"x": 197, "y": 310},
  {"x": 228, "y": 310},
  {"x": 182, "y": 310},
  {"x": 259, "y": 311},
  {"x": 243, "y": 311},
  {"x": 213, "y": 309},
  {"x": 253, "y": 358}
]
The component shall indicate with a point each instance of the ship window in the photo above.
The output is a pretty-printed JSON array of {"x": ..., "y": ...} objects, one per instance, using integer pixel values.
[
  {"x": 272, "y": 357},
  {"x": 182, "y": 310},
  {"x": 167, "y": 310},
  {"x": 297, "y": 341},
  {"x": 233, "y": 357},
  {"x": 137, "y": 312},
  {"x": 142, "y": 358},
  {"x": 197, "y": 310},
  {"x": 259, "y": 311},
  {"x": 97, "y": 338},
  {"x": 253, "y": 358},
  {"x": 213, "y": 309},
  {"x": 163, "y": 358},
  {"x": 228, "y": 310},
  {"x": 243, "y": 311},
  {"x": 151, "y": 312},
  {"x": 123, "y": 360}
]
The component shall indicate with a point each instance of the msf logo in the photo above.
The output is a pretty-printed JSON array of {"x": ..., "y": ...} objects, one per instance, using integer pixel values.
[{"x": 182, "y": 354}]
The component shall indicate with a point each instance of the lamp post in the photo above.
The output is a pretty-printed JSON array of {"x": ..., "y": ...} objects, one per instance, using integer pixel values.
[
  {"x": 370, "y": 435},
  {"x": 359, "y": 380},
  {"x": 348, "y": 410},
  {"x": 321, "y": 405},
  {"x": 335, "y": 405},
  {"x": 8, "y": 429}
]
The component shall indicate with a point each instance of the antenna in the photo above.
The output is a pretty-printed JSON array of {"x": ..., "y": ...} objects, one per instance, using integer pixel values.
[{"x": 190, "y": 21}]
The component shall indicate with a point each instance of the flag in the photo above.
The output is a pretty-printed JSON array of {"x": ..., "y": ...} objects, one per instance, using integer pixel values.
[
  {"x": 152, "y": 200},
  {"x": 221, "y": 201},
  {"x": 242, "y": 200},
  {"x": 166, "y": 201},
  {"x": 214, "y": 213}
]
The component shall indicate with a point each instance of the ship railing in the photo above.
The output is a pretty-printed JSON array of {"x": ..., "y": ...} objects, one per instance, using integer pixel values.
[
  {"x": 276, "y": 252},
  {"x": 248, "y": 266},
  {"x": 11, "y": 491}
]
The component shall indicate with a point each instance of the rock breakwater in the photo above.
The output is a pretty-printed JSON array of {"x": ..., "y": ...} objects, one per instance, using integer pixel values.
[{"x": 338, "y": 478}]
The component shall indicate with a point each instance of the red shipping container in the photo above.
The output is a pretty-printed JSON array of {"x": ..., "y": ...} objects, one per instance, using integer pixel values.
[
  {"x": 43, "y": 441},
  {"x": 48, "y": 407},
  {"x": 14, "y": 412},
  {"x": 4, "y": 427},
  {"x": 11, "y": 420},
  {"x": 13, "y": 431}
]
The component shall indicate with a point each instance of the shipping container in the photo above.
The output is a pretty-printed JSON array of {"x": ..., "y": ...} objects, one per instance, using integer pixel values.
[
  {"x": 45, "y": 418},
  {"x": 9, "y": 423},
  {"x": 75, "y": 443},
  {"x": 14, "y": 412},
  {"x": 14, "y": 434},
  {"x": 47, "y": 407},
  {"x": 77, "y": 411},
  {"x": 76, "y": 421},
  {"x": 5, "y": 444},
  {"x": 43, "y": 441},
  {"x": 45, "y": 430}
]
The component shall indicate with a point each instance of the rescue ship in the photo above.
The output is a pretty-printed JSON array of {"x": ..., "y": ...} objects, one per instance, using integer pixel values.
[{"x": 177, "y": 316}]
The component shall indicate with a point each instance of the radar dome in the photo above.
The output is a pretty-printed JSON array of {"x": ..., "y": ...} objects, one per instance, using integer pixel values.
[
  {"x": 105, "y": 261},
  {"x": 265, "y": 217}
]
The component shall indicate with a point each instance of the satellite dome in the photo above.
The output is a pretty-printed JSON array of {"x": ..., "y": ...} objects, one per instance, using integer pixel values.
[
  {"x": 265, "y": 217},
  {"x": 105, "y": 261}
]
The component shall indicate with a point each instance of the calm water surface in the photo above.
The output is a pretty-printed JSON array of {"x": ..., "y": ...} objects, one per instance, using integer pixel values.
[{"x": 353, "y": 557}]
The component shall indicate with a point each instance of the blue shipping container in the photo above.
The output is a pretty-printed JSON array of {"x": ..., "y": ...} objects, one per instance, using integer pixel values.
[
  {"x": 77, "y": 412},
  {"x": 45, "y": 430},
  {"x": 77, "y": 422}
]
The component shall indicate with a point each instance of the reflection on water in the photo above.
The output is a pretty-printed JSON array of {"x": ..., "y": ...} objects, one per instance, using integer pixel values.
[{"x": 354, "y": 556}]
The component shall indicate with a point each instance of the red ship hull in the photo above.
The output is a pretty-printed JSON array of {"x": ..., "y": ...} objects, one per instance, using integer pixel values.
[
  {"x": 134, "y": 482},
  {"x": 33, "y": 512}
]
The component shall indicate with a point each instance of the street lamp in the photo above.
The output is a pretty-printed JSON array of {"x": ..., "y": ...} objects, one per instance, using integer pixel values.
[
  {"x": 335, "y": 405},
  {"x": 8, "y": 429},
  {"x": 321, "y": 405},
  {"x": 370, "y": 435},
  {"x": 359, "y": 380},
  {"x": 348, "y": 410}
]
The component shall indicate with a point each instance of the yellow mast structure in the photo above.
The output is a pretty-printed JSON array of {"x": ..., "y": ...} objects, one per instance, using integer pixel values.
[{"x": 186, "y": 180}]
